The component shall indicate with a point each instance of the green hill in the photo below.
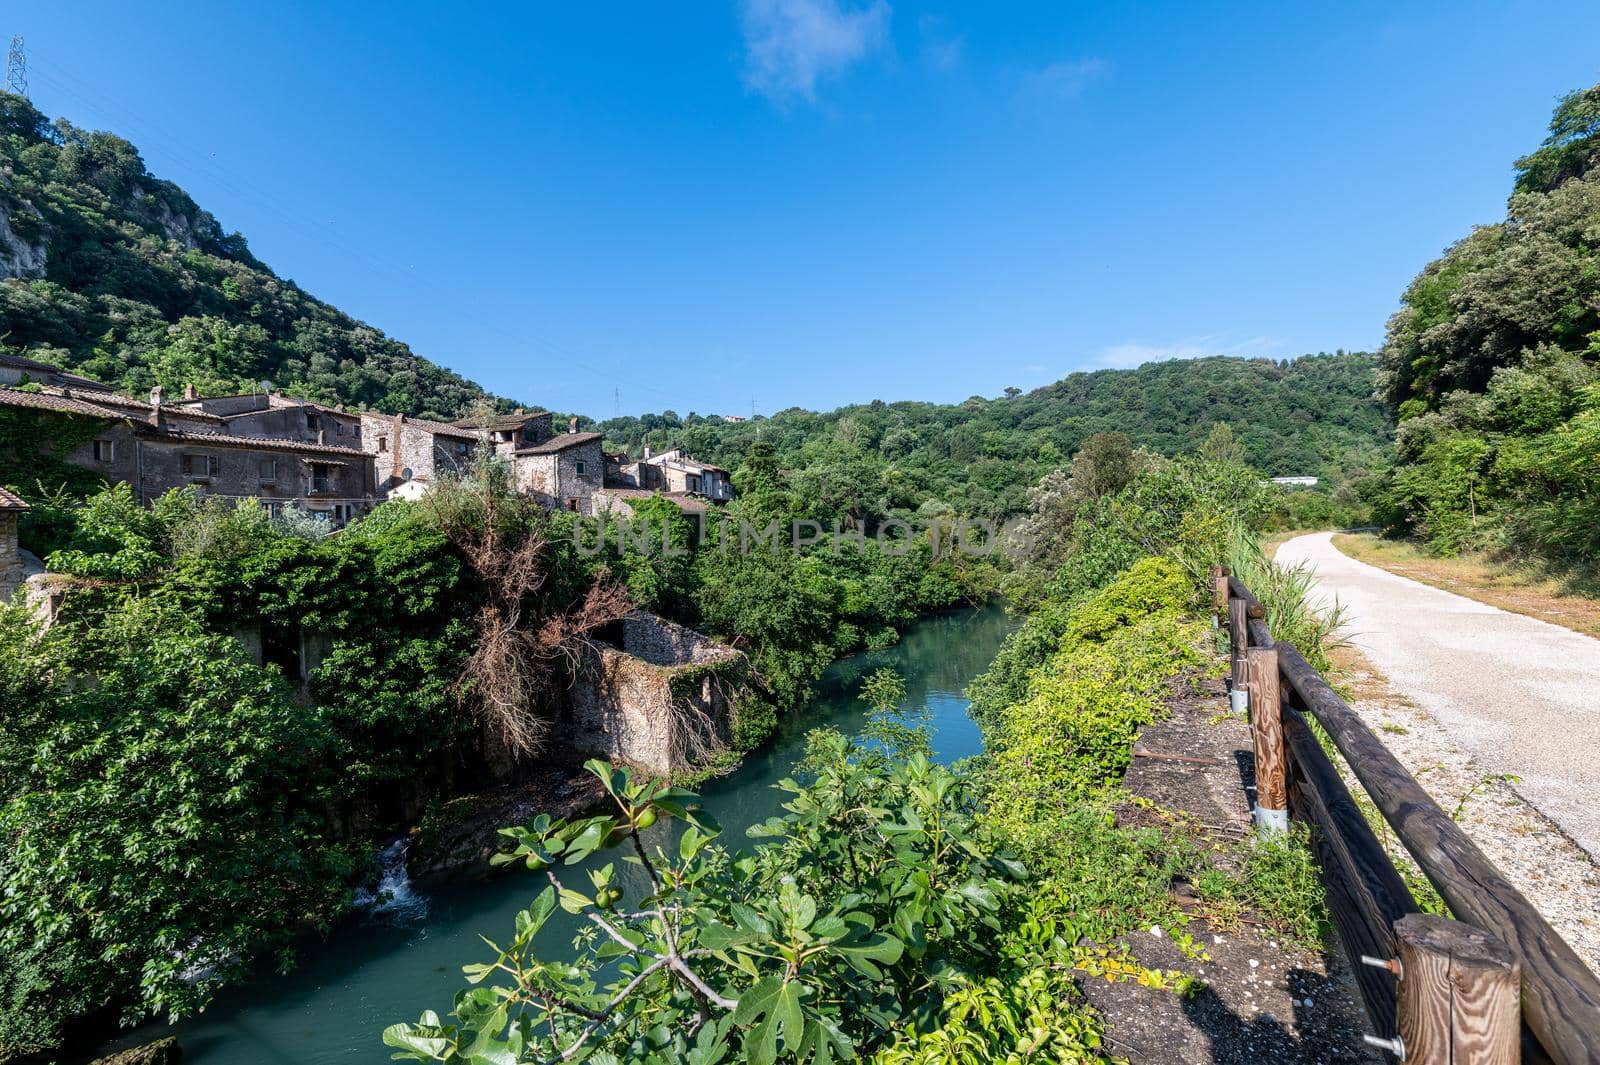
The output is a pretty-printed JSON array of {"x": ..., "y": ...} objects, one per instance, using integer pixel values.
[
  {"x": 1312, "y": 415},
  {"x": 119, "y": 275}
]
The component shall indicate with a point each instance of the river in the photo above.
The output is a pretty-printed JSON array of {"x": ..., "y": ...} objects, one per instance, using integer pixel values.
[{"x": 390, "y": 966}]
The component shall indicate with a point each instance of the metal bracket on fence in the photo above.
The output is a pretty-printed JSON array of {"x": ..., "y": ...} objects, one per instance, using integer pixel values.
[
  {"x": 1239, "y": 702},
  {"x": 1394, "y": 1046},
  {"x": 1392, "y": 964}
]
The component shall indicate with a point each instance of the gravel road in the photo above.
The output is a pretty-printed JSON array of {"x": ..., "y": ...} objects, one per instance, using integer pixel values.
[{"x": 1522, "y": 695}]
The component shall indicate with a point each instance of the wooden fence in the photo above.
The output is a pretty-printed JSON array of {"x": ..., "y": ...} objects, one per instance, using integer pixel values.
[{"x": 1497, "y": 984}]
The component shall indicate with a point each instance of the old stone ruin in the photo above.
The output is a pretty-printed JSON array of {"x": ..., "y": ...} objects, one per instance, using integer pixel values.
[{"x": 654, "y": 694}]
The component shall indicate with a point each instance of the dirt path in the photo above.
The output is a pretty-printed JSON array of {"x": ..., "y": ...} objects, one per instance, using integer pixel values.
[{"x": 1521, "y": 695}]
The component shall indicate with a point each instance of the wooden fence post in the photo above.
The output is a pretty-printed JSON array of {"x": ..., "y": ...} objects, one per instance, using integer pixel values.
[
  {"x": 1238, "y": 642},
  {"x": 1459, "y": 994},
  {"x": 1219, "y": 589},
  {"x": 1266, "y": 727}
]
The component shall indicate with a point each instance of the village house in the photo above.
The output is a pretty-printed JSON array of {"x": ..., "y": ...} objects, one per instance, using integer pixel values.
[
  {"x": 674, "y": 471},
  {"x": 338, "y": 463},
  {"x": 410, "y": 453},
  {"x": 563, "y": 472},
  {"x": 509, "y": 433},
  {"x": 155, "y": 447}
]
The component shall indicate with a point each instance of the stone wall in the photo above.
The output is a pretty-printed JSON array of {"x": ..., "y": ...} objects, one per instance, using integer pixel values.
[
  {"x": 663, "y": 703},
  {"x": 11, "y": 572},
  {"x": 409, "y": 445},
  {"x": 554, "y": 480}
]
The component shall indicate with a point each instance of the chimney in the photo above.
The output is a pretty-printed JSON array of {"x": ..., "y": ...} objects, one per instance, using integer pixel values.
[
  {"x": 394, "y": 450},
  {"x": 521, "y": 411},
  {"x": 190, "y": 392},
  {"x": 155, "y": 406},
  {"x": 647, "y": 452},
  {"x": 322, "y": 436},
  {"x": 572, "y": 424}
]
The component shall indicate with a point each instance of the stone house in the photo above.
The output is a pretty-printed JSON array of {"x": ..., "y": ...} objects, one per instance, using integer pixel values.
[
  {"x": 155, "y": 447},
  {"x": 414, "y": 451},
  {"x": 509, "y": 433},
  {"x": 675, "y": 471},
  {"x": 617, "y": 501},
  {"x": 12, "y": 572},
  {"x": 562, "y": 473},
  {"x": 274, "y": 416}
]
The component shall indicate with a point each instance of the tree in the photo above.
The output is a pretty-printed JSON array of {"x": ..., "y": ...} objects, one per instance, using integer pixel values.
[{"x": 170, "y": 833}]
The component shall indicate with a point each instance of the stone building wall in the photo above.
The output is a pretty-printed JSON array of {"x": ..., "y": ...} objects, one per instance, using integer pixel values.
[
  {"x": 11, "y": 571},
  {"x": 398, "y": 444},
  {"x": 310, "y": 424},
  {"x": 553, "y": 477},
  {"x": 664, "y": 702}
]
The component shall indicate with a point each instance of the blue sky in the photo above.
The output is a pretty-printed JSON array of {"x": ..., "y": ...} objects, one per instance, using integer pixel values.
[{"x": 814, "y": 202}]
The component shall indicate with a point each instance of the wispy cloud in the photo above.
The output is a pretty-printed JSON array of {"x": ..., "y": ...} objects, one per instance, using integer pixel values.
[
  {"x": 942, "y": 50},
  {"x": 790, "y": 45},
  {"x": 1064, "y": 80},
  {"x": 1132, "y": 353}
]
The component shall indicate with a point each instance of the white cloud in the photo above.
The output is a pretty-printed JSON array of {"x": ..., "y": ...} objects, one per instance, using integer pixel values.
[
  {"x": 1132, "y": 353},
  {"x": 942, "y": 50},
  {"x": 792, "y": 44},
  {"x": 1066, "y": 79}
]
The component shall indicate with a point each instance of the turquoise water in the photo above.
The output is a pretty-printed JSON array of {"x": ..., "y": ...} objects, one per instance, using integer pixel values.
[{"x": 390, "y": 967}]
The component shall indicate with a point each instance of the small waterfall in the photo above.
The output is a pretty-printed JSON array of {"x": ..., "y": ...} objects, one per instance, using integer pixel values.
[{"x": 394, "y": 897}]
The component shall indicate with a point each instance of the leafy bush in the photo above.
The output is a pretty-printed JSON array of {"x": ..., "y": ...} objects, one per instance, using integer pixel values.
[
  {"x": 872, "y": 899},
  {"x": 160, "y": 825},
  {"x": 1074, "y": 732}
]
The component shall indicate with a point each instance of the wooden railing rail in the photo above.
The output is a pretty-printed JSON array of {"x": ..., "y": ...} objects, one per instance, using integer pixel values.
[{"x": 1375, "y": 914}]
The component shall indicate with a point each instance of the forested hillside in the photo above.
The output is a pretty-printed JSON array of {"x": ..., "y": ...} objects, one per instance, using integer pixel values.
[
  {"x": 1312, "y": 415},
  {"x": 119, "y": 275},
  {"x": 1490, "y": 366}
]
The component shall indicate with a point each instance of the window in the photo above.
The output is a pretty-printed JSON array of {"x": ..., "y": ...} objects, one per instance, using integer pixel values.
[
  {"x": 105, "y": 451},
  {"x": 269, "y": 469},
  {"x": 312, "y": 421},
  {"x": 572, "y": 504},
  {"x": 199, "y": 465},
  {"x": 321, "y": 478},
  {"x": 383, "y": 444},
  {"x": 579, "y": 466},
  {"x": 461, "y": 447}
]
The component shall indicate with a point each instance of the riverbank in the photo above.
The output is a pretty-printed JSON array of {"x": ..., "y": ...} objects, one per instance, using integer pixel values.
[{"x": 379, "y": 968}]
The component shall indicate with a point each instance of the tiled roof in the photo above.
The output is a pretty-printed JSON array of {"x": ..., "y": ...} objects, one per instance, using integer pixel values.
[
  {"x": 33, "y": 367},
  {"x": 258, "y": 443},
  {"x": 501, "y": 421},
  {"x": 439, "y": 429},
  {"x": 10, "y": 397},
  {"x": 692, "y": 466},
  {"x": 684, "y": 500},
  {"x": 559, "y": 443},
  {"x": 11, "y": 501},
  {"x": 115, "y": 399}
]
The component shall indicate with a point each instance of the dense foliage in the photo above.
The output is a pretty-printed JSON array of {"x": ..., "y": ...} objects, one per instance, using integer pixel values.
[
  {"x": 1491, "y": 367},
  {"x": 140, "y": 287},
  {"x": 881, "y": 917},
  {"x": 1313, "y": 415},
  {"x": 869, "y": 900},
  {"x": 161, "y": 825}
]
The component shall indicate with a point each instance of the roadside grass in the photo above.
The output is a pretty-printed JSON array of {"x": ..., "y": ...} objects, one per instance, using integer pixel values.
[{"x": 1519, "y": 589}]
